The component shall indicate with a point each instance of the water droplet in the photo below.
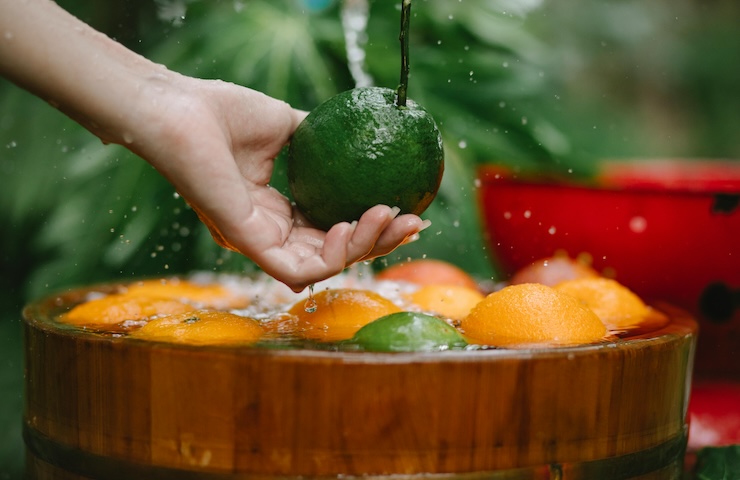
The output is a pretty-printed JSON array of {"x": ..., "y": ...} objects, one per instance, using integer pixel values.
[
  {"x": 638, "y": 224},
  {"x": 12, "y": 144},
  {"x": 552, "y": 230},
  {"x": 310, "y": 305},
  {"x": 462, "y": 144},
  {"x": 527, "y": 214},
  {"x": 128, "y": 138}
]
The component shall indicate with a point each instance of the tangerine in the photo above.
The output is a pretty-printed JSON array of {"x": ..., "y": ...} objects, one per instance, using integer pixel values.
[
  {"x": 616, "y": 305},
  {"x": 531, "y": 313},
  {"x": 117, "y": 308},
  {"x": 201, "y": 327},
  {"x": 340, "y": 313},
  {"x": 428, "y": 271},
  {"x": 450, "y": 301},
  {"x": 211, "y": 295},
  {"x": 553, "y": 270}
]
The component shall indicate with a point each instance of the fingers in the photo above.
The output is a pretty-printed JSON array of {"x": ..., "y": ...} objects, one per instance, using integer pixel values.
[
  {"x": 380, "y": 231},
  {"x": 403, "y": 230},
  {"x": 310, "y": 255}
]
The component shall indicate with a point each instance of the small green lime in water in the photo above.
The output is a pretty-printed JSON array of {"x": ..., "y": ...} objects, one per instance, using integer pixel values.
[{"x": 408, "y": 332}]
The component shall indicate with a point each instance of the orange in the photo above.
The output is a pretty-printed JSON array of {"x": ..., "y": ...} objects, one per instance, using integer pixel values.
[
  {"x": 616, "y": 305},
  {"x": 340, "y": 313},
  {"x": 531, "y": 313},
  {"x": 213, "y": 295},
  {"x": 449, "y": 301},
  {"x": 553, "y": 270},
  {"x": 117, "y": 308},
  {"x": 201, "y": 327},
  {"x": 428, "y": 272}
]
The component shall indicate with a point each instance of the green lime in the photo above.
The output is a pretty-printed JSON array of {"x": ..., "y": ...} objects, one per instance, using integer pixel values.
[
  {"x": 408, "y": 332},
  {"x": 359, "y": 149}
]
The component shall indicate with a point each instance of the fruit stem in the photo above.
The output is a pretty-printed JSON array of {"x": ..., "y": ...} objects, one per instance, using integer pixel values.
[{"x": 404, "y": 38}]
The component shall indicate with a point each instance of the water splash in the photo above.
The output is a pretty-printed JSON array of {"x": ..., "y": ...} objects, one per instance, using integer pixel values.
[
  {"x": 310, "y": 305},
  {"x": 355, "y": 15}
]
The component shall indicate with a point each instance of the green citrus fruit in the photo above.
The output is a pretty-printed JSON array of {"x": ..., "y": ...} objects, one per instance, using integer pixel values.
[
  {"x": 408, "y": 332},
  {"x": 359, "y": 149}
]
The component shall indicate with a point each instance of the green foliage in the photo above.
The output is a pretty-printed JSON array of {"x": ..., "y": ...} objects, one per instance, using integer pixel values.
[
  {"x": 718, "y": 463},
  {"x": 531, "y": 85}
]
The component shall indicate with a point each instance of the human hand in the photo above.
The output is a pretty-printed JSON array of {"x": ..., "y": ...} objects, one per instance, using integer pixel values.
[{"x": 216, "y": 143}]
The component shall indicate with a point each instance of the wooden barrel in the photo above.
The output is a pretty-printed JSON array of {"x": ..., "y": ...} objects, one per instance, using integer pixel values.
[{"x": 102, "y": 407}]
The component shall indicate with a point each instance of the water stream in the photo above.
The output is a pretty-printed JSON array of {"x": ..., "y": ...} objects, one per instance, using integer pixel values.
[{"x": 355, "y": 15}]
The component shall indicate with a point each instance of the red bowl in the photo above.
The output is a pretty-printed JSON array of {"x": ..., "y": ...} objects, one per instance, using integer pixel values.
[{"x": 667, "y": 229}]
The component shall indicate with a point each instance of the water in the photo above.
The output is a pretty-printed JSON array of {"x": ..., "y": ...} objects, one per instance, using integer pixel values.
[
  {"x": 355, "y": 15},
  {"x": 310, "y": 305}
]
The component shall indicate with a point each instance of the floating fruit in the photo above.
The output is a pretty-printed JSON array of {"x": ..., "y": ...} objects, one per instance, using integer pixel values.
[
  {"x": 117, "y": 308},
  {"x": 339, "y": 313},
  {"x": 408, "y": 332},
  {"x": 201, "y": 327},
  {"x": 449, "y": 301},
  {"x": 428, "y": 271},
  {"x": 211, "y": 295},
  {"x": 616, "y": 305},
  {"x": 532, "y": 313},
  {"x": 553, "y": 270}
]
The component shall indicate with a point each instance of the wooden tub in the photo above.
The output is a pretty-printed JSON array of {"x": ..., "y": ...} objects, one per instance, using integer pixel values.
[{"x": 104, "y": 407}]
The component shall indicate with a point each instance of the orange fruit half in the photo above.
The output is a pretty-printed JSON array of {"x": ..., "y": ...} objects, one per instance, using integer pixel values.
[
  {"x": 531, "y": 313},
  {"x": 117, "y": 308},
  {"x": 616, "y": 305},
  {"x": 339, "y": 313},
  {"x": 201, "y": 327}
]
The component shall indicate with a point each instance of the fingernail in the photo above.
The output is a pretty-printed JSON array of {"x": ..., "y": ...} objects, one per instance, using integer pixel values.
[
  {"x": 395, "y": 211},
  {"x": 411, "y": 238},
  {"x": 425, "y": 224},
  {"x": 353, "y": 225}
]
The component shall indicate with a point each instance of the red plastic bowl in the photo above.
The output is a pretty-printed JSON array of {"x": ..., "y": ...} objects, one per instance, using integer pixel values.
[{"x": 667, "y": 229}]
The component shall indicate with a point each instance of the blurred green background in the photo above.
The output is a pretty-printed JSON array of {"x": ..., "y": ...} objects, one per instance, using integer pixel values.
[{"x": 532, "y": 84}]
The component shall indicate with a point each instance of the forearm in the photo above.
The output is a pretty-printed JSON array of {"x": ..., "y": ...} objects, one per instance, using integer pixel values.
[{"x": 84, "y": 73}]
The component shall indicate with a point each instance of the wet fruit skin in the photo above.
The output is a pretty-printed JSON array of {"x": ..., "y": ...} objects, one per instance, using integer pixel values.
[
  {"x": 201, "y": 327},
  {"x": 339, "y": 313},
  {"x": 359, "y": 149},
  {"x": 531, "y": 313},
  {"x": 408, "y": 332}
]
